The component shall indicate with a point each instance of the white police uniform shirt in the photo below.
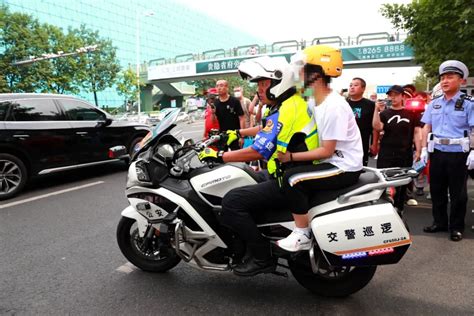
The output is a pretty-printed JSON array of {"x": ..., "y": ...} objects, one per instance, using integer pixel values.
[
  {"x": 449, "y": 120},
  {"x": 336, "y": 121}
]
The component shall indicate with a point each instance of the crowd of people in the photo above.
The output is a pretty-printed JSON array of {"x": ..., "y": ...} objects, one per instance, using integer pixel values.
[{"x": 324, "y": 139}]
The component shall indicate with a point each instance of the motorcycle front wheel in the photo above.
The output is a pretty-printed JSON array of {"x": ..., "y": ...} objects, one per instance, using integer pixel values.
[
  {"x": 330, "y": 281},
  {"x": 151, "y": 256}
]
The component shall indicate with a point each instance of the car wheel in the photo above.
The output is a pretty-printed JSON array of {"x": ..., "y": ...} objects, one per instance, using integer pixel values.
[{"x": 13, "y": 176}]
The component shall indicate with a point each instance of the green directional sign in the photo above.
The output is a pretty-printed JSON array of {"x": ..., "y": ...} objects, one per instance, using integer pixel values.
[
  {"x": 228, "y": 64},
  {"x": 391, "y": 52},
  {"x": 376, "y": 52},
  {"x": 350, "y": 54}
]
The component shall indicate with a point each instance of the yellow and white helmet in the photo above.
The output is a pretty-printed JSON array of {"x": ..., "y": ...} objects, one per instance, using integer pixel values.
[{"x": 327, "y": 57}]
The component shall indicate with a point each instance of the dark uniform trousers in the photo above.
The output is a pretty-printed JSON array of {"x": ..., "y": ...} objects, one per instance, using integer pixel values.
[
  {"x": 241, "y": 206},
  {"x": 448, "y": 170},
  {"x": 390, "y": 159}
]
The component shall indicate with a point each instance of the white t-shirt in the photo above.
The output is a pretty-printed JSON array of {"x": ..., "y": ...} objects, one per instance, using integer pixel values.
[{"x": 335, "y": 120}]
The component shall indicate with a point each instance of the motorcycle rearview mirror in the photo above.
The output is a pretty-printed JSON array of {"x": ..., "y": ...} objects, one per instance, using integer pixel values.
[{"x": 188, "y": 142}]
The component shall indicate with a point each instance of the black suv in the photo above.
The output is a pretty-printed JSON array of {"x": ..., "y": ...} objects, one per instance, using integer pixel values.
[{"x": 46, "y": 133}]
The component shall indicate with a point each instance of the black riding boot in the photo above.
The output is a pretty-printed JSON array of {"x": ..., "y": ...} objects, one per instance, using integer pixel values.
[{"x": 261, "y": 261}]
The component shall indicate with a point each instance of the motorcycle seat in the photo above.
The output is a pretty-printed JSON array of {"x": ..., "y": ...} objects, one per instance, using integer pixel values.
[
  {"x": 325, "y": 196},
  {"x": 321, "y": 197}
]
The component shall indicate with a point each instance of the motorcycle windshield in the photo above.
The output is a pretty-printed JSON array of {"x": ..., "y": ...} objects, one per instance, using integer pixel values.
[{"x": 168, "y": 120}]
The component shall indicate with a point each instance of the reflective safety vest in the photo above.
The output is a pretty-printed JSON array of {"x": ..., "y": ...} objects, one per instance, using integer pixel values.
[{"x": 293, "y": 116}]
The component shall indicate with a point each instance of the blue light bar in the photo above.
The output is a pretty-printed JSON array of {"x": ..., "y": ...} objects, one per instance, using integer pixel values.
[{"x": 354, "y": 255}]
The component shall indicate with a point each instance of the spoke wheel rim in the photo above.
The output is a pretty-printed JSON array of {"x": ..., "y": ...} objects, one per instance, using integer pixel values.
[{"x": 10, "y": 176}]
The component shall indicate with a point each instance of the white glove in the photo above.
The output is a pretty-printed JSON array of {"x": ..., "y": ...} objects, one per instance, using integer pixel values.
[
  {"x": 470, "y": 160},
  {"x": 424, "y": 155}
]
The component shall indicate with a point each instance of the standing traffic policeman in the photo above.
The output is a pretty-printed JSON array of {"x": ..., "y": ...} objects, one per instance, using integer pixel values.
[{"x": 448, "y": 137}]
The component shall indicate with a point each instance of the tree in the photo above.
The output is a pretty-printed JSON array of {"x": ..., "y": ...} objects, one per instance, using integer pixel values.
[
  {"x": 62, "y": 74},
  {"x": 102, "y": 66},
  {"x": 20, "y": 37},
  {"x": 127, "y": 85},
  {"x": 234, "y": 81},
  {"x": 423, "y": 82},
  {"x": 437, "y": 30}
]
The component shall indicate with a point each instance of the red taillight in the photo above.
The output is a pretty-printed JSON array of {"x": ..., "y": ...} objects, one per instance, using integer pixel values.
[{"x": 382, "y": 251}]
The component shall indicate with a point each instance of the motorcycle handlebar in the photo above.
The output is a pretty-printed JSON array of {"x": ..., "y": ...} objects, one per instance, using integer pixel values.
[{"x": 206, "y": 143}]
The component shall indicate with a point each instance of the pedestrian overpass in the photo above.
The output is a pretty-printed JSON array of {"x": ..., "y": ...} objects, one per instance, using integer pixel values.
[{"x": 165, "y": 74}]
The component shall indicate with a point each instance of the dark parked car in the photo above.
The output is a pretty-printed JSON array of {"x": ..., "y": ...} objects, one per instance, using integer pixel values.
[{"x": 46, "y": 133}]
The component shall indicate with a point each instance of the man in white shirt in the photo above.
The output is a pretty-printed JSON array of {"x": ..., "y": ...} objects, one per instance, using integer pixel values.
[{"x": 340, "y": 145}]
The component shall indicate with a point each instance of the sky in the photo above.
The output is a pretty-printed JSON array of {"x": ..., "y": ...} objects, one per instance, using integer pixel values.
[{"x": 279, "y": 20}]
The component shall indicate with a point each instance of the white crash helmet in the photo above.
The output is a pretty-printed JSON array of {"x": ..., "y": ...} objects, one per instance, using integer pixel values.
[{"x": 277, "y": 69}]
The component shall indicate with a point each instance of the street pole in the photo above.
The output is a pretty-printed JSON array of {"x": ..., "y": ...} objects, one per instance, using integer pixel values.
[{"x": 137, "y": 26}]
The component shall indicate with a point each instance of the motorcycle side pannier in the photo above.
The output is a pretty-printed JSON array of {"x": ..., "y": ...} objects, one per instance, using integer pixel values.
[{"x": 361, "y": 236}]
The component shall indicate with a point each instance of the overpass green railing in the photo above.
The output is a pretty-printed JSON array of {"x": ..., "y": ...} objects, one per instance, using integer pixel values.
[{"x": 276, "y": 47}]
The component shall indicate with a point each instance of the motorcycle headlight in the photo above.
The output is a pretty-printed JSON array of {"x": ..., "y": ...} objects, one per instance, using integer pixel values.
[{"x": 165, "y": 151}]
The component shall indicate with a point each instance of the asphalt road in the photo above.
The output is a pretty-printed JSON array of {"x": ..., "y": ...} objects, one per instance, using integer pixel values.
[{"x": 58, "y": 255}]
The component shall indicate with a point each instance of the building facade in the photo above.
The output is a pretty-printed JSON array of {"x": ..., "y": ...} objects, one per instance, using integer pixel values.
[{"x": 172, "y": 29}]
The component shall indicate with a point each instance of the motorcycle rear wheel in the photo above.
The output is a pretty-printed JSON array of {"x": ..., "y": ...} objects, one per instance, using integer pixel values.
[
  {"x": 156, "y": 258},
  {"x": 330, "y": 281}
]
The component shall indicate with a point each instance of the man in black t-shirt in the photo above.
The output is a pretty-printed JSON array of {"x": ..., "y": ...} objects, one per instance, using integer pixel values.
[
  {"x": 401, "y": 128},
  {"x": 364, "y": 112},
  {"x": 229, "y": 112}
]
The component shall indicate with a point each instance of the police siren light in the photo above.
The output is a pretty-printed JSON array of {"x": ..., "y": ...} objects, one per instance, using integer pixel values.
[{"x": 415, "y": 104}]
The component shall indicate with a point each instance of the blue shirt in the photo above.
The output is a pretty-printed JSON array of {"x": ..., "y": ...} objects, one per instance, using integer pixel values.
[{"x": 449, "y": 121}]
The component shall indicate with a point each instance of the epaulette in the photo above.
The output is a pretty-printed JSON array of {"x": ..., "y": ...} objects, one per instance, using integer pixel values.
[
  {"x": 468, "y": 97},
  {"x": 439, "y": 96}
]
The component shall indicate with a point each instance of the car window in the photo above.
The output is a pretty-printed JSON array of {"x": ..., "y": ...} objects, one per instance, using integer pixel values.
[
  {"x": 35, "y": 110},
  {"x": 3, "y": 109},
  {"x": 80, "y": 111}
]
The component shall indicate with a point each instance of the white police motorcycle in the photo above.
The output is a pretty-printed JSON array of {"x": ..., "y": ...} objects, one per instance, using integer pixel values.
[{"x": 174, "y": 205}]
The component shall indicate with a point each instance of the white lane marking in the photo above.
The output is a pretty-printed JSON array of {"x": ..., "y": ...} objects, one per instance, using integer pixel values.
[
  {"x": 50, "y": 194},
  {"x": 193, "y": 132},
  {"x": 126, "y": 268}
]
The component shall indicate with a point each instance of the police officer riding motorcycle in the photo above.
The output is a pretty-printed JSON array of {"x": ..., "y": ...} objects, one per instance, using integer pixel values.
[{"x": 222, "y": 216}]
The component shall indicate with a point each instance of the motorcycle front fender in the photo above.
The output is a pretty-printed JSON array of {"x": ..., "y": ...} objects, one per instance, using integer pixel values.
[{"x": 132, "y": 213}]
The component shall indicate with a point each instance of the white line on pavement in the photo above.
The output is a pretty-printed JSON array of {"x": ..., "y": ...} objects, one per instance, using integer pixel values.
[
  {"x": 50, "y": 194},
  {"x": 126, "y": 268},
  {"x": 193, "y": 132}
]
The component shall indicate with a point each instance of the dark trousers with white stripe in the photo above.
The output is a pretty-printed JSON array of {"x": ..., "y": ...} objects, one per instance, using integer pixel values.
[
  {"x": 241, "y": 206},
  {"x": 448, "y": 171},
  {"x": 299, "y": 195}
]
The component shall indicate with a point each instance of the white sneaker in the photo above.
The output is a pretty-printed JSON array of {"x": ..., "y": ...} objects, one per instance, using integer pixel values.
[
  {"x": 412, "y": 202},
  {"x": 296, "y": 241}
]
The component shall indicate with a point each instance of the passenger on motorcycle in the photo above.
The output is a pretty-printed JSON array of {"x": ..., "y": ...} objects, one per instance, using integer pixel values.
[
  {"x": 288, "y": 116},
  {"x": 340, "y": 146}
]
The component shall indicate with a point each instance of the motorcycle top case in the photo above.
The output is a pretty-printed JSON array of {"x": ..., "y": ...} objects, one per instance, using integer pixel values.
[{"x": 361, "y": 236}]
